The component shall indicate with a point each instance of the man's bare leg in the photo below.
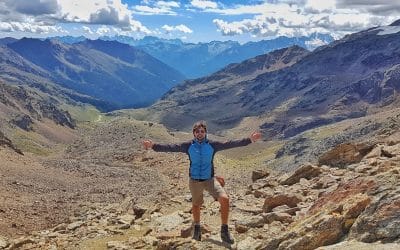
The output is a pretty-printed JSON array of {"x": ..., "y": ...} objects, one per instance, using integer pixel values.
[
  {"x": 224, "y": 202},
  {"x": 196, "y": 214}
]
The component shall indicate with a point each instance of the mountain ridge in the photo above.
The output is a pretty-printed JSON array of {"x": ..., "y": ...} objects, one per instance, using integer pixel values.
[
  {"x": 200, "y": 59},
  {"x": 93, "y": 72},
  {"x": 345, "y": 79}
]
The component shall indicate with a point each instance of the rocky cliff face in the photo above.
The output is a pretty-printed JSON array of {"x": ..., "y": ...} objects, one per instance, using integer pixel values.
[
  {"x": 27, "y": 116},
  {"x": 5, "y": 142},
  {"x": 23, "y": 107}
]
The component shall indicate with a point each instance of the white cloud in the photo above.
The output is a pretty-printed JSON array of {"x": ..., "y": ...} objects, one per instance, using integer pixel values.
[
  {"x": 103, "y": 30},
  {"x": 183, "y": 28},
  {"x": 107, "y": 12},
  {"x": 34, "y": 7},
  {"x": 294, "y": 18},
  {"x": 147, "y": 10},
  {"x": 87, "y": 30},
  {"x": 49, "y": 12},
  {"x": 29, "y": 27},
  {"x": 376, "y": 7},
  {"x": 312, "y": 44},
  {"x": 180, "y": 28},
  {"x": 168, "y": 28},
  {"x": 170, "y": 4},
  {"x": 318, "y": 6},
  {"x": 204, "y": 4},
  {"x": 157, "y": 8},
  {"x": 264, "y": 9}
]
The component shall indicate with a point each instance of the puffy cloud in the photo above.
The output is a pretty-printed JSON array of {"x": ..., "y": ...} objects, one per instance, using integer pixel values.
[
  {"x": 109, "y": 16},
  {"x": 170, "y": 4},
  {"x": 376, "y": 7},
  {"x": 258, "y": 26},
  {"x": 103, "y": 30},
  {"x": 107, "y": 12},
  {"x": 49, "y": 12},
  {"x": 312, "y": 44},
  {"x": 318, "y": 6},
  {"x": 204, "y": 4},
  {"x": 34, "y": 7},
  {"x": 29, "y": 27},
  {"x": 157, "y": 8},
  {"x": 264, "y": 9},
  {"x": 147, "y": 10},
  {"x": 168, "y": 28},
  {"x": 307, "y": 17},
  {"x": 183, "y": 28},
  {"x": 180, "y": 28},
  {"x": 87, "y": 30}
]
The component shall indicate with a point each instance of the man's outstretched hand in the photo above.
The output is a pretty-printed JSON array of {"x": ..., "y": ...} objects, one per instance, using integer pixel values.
[
  {"x": 147, "y": 144},
  {"x": 255, "y": 136}
]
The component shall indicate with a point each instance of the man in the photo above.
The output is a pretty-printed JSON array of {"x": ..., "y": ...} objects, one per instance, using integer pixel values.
[{"x": 201, "y": 153}]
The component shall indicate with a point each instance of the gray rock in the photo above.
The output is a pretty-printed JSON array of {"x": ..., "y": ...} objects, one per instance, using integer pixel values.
[
  {"x": 307, "y": 171},
  {"x": 18, "y": 243},
  {"x": 355, "y": 245},
  {"x": 75, "y": 225},
  {"x": 248, "y": 244},
  {"x": 169, "y": 222},
  {"x": 277, "y": 216},
  {"x": 290, "y": 200},
  {"x": 139, "y": 210},
  {"x": 3, "y": 242},
  {"x": 23, "y": 121},
  {"x": 380, "y": 221},
  {"x": 259, "y": 174},
  {"x": 251, "y": 221},
  {"x": 116, "y": 245},
  {"x": 126, "y": 219}
]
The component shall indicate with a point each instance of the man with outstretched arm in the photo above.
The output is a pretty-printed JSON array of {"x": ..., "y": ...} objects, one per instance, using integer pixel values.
[{"x": 201, "y": 153}]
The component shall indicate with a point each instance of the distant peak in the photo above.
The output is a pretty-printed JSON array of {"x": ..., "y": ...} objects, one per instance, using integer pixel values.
[
  {"x": 395, "y": 23},
  {"x": 293, "y": 48}
]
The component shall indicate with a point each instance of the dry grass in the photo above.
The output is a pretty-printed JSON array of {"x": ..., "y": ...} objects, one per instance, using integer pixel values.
[
  {"x": 84, "y": 113},
  {"x": 251, "y": 156},
  {"x": 31, "y": 142},
  {"x": 101, "y": 243}
]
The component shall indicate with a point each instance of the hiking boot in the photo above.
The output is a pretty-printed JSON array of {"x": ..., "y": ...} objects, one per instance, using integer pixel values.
[
  {"x": 197, "y": 233},
  {"x": 225, "y": 235}
]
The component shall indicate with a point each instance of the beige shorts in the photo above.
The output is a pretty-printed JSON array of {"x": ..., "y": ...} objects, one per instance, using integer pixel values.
[{"x": 212, "y": 186}]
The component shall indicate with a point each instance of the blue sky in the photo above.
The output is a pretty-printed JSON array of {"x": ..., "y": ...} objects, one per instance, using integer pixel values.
[{"x": 193, "y": 20}]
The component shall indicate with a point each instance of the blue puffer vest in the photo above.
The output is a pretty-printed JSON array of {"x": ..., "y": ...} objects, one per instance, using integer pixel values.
[{"x": 201, "y": 160}]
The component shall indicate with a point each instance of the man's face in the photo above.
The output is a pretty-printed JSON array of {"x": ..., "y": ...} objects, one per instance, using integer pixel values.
[{"x": 199, "y": 133}]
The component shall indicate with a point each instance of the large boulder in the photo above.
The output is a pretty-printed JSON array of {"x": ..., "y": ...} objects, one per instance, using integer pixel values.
[
  {"x": 345, "y": 154},
  {"x": 279, "y": 200},
  {"x": 306, "y": 171},
  {"x": 380, "y": 221}
]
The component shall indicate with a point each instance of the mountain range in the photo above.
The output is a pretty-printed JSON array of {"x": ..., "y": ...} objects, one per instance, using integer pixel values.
[
  {"x": 110, "y": 71},
  {"x": 291, "y": 90},
  {"x": 47, "y": 86},
  {"x": 200, "y": 59},
  {"x": 112, "y": 75},
  {"x": 284, "y": 92}
]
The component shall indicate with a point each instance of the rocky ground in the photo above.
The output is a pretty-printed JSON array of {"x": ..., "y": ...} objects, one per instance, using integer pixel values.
[{"x": 105, "y": 192}]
